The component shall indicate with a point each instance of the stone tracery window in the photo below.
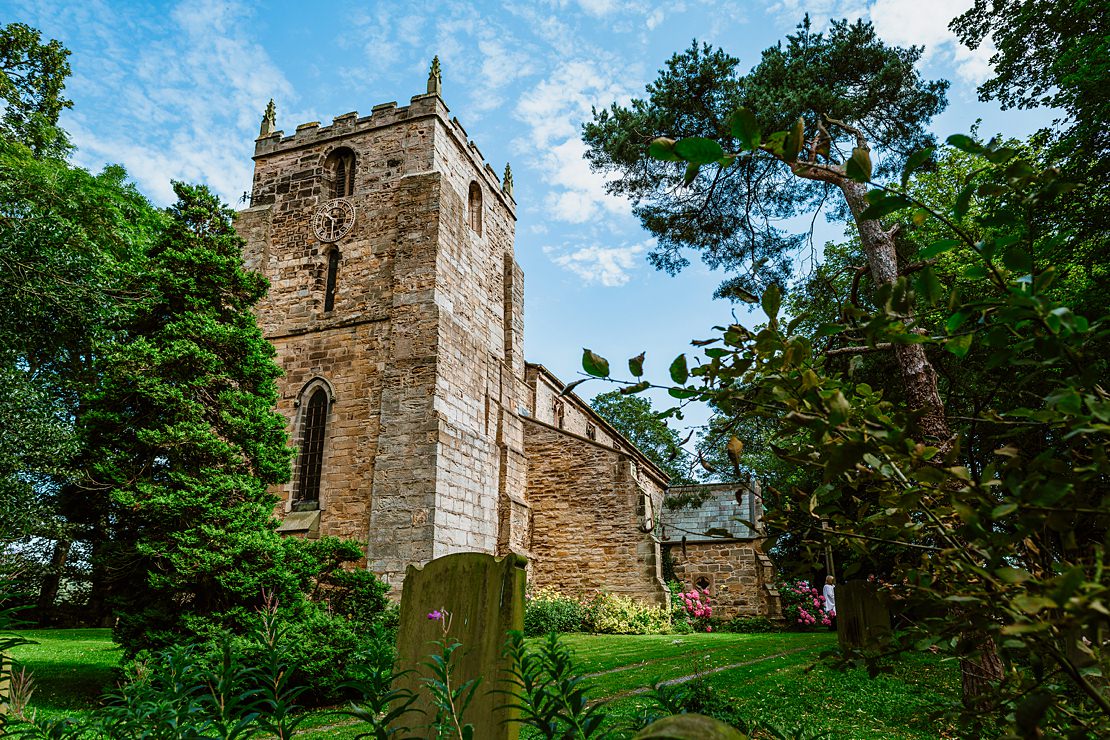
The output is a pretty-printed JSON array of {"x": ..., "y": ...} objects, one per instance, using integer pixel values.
[
  {"x": 310, "y": 463},
  {"x": 474, "y": 208},
  {"x": 340, "y": 168}
]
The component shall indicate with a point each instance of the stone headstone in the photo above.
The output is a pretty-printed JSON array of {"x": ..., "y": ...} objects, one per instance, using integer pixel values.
[
  {"x": 689, "y": 727},
  {"x": 862, "y": 615},
  {"x": 484, "y": 596}
]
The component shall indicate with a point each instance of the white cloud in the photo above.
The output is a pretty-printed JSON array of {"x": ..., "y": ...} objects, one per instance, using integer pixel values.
[
  {"x": 905, "y": 23},
  {"x": 553, "y": 112},
  {"x": 185, "y": 104},
  {"x": 654, "y": 19},
  {"x": 607, "y": 266}
]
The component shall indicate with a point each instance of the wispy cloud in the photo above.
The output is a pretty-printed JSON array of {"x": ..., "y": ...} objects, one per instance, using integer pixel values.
[
  {"x": 906, "y": 23},
  {"x": 193, "y": 93},
  {"x": 553, "y": 112},
  {"x": 601, "y": 265}
]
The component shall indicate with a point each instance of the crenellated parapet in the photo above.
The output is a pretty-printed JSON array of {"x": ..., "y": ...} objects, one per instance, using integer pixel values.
[{"x": 273, "y": 141}]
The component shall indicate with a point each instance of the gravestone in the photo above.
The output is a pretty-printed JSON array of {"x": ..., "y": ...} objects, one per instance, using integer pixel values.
[
  {"x": 862, "y": 615},
  {"x": 484, "y": 597},
  {"x": 689, "y": 727}
]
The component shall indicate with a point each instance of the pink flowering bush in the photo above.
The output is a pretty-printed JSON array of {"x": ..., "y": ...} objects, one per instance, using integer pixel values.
[
  {"x": 692, "y": 607},
  {"x": 803, "y": 606}
]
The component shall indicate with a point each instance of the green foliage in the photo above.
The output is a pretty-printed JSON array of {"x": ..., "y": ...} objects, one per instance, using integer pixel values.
[
  {"x": 450, "y": 700},
  {"x": 186, "y": 440},
  {"x": 69, "y": 241},
  {"x": 380, "y": 707},
  {"x": 554, "y": 700},
  {"x": 1008, "y": 552},
  {"x": 32, "y": 77},
  {"x": 634, "y": 417},
  {"x": 548, "y": 611},
  {"x": 824, "y": 89},
  {"x": 613, "y": 614},
  {"x": 750, "y": 625}
]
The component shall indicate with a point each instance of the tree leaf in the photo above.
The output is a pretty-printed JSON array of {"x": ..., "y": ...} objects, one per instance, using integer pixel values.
[
  {"x": 918, "y": 158},
  {"x": 691, "y": 173},
  {"x": 938, "y": 247},
  {"x": 569, "y": 388},
  {"x": 959, "y": 345},
  {"x": 792, "y": 144},
  {"x": 636, "y": 365},
  {"x": 594, "y": 364},
  {"x": 680, "y": 373},
  {"x": 858, "y": 167},
  {"x": 698, "y": 150},
  {"x": 963, "y": 201},
  {"x": 662, "y": 148},
  {"x": 965, "y": 143},
  {"x": 1017, "y": 258},
  {"x": 734, "y": 448},
  {"x": 929, "y": 286},
  {"x": 771, "y": 301},
  {"x": 885, "y": 207},
  {"x": 643, "y": 385},
  {"x": 745, "y": 128},
  {"x": 1031, "y": 604}
]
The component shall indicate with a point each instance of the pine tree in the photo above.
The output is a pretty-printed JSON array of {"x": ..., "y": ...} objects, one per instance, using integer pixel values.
[{"x": 185, "y": 437}]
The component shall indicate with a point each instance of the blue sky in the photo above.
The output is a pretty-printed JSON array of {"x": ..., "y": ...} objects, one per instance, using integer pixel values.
[{"x": 176, "y": 90}]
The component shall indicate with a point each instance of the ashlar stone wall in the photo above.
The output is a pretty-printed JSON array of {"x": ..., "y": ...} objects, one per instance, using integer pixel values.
[
  {"x": 593, "y": 505},
  {"x": 422, "y": 352},
  {"x": 716, "y": 544}
]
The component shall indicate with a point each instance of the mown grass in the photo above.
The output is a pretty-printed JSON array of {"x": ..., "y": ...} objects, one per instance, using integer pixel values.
[
  {"x": 70, "y": 668},
  {"x": 775, "y": 681}
]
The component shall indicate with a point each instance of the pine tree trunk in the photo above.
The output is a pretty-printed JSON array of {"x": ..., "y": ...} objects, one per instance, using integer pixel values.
[{"x": 919, "y": 382}]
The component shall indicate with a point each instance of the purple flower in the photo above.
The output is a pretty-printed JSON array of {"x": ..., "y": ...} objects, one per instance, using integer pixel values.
[{"x": 436, "y": 614}]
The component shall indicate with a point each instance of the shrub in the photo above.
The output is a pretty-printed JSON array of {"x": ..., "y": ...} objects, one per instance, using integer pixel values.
[
  {"x": 750, "y": 625},
  {"x": 548, "y": 610},
  {"x": 803, "y": 606},
  {"x": 611, "y": 614},
  {"x": 694, "y": 608}
]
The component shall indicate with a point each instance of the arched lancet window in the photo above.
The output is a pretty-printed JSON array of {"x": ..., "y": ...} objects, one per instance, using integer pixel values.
[
  {"x": 340, "y": 169},
  {"x": 333, "y": 270},
  {"x": 474, "y": 208},
  {"x": 314, "y": 421}
]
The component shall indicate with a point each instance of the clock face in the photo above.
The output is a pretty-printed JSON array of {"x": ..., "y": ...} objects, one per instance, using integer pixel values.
[{"x": 333, "y": 220}]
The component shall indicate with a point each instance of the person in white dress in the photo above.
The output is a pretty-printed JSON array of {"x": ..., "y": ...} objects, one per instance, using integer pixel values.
[{"x": 829, "y": 592}]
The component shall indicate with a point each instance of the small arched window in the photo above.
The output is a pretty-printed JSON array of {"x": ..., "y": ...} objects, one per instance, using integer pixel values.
[
  {"x": 333, "y": 271},
  {"x": 311, "y": 463},
  {"x": 474, "y": 208},
  {"x": 340, "y": 169}
]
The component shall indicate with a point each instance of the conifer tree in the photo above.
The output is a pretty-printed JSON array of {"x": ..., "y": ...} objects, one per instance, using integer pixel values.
[{"x": 185, "y": 437}]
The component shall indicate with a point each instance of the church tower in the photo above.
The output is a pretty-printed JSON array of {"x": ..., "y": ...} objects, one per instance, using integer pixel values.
[{"x": 396, "y": 308}]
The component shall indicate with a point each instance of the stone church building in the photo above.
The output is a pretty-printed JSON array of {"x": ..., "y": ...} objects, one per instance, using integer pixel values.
[{"x": 396, "y": 308}]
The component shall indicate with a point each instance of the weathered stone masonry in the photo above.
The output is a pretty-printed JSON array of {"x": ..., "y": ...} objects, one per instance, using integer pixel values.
[{"x": 437, "y": 437}]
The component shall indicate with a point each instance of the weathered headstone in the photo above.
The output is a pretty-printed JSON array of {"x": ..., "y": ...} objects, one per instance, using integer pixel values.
[
  {"x": 862, "y": 615},
  {"x": 689, "y": 727},
  {"x": 484, "y": 596}
]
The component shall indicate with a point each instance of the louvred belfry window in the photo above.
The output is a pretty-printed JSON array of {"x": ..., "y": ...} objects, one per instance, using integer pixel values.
[
  {"x": 312, "y": 448},
  {"x": 341, "y": 164}
]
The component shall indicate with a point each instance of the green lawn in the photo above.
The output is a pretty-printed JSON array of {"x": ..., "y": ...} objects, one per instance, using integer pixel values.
[
  {"x": 70, "y": 668},
  {"x": 765, "y": 676}
]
